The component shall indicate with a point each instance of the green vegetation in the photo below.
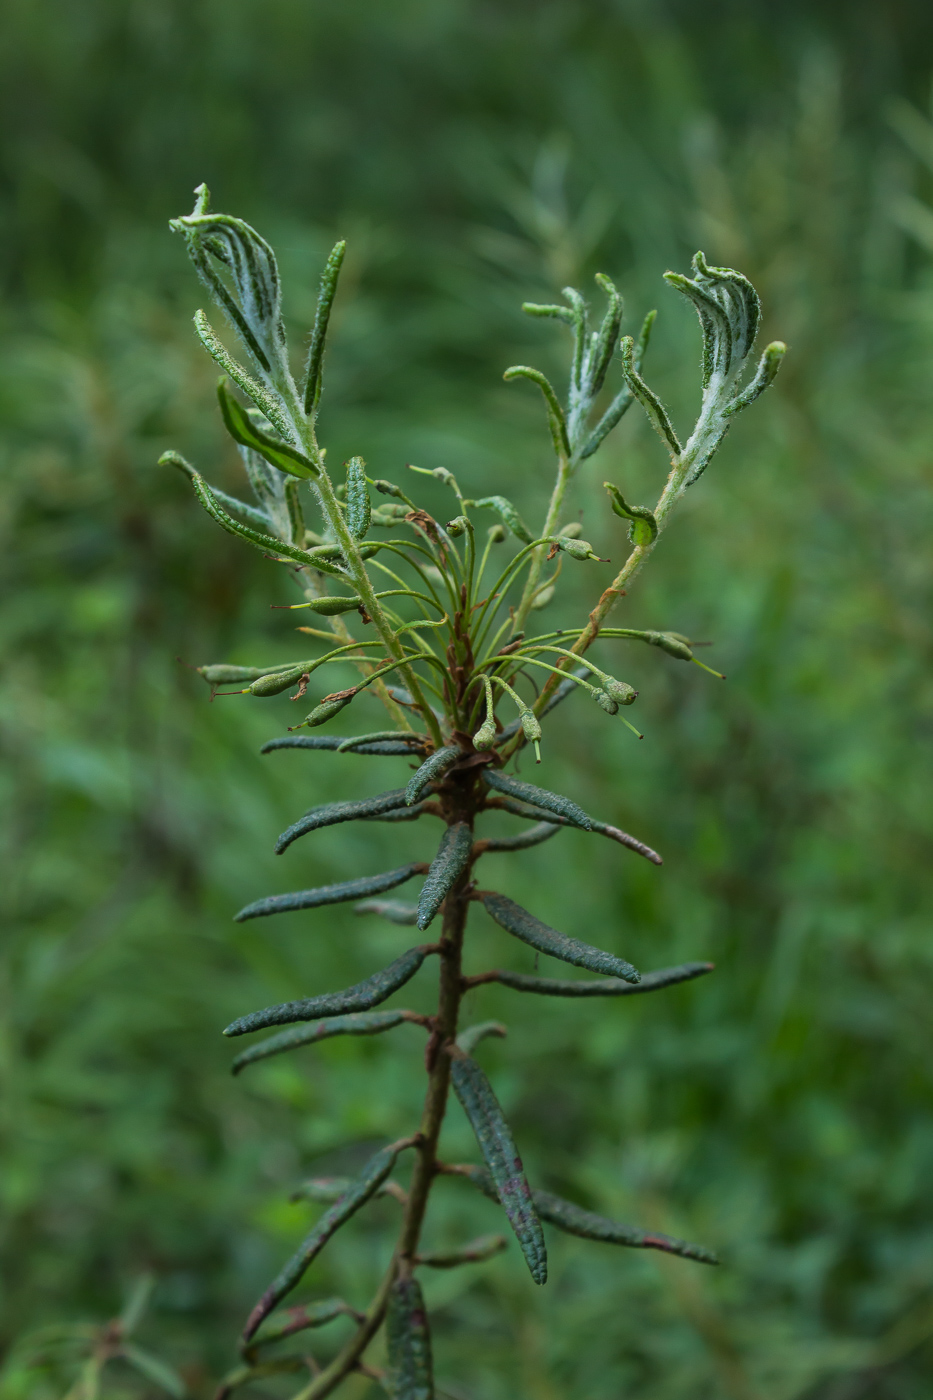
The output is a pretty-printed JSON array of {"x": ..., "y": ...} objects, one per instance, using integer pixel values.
[{"x": 476, "y": 156}]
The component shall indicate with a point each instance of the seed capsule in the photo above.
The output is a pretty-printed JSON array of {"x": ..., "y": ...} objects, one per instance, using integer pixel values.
[
  {"x": 332, "y": 607},
  {"x": 577, "y": 549},
  {"x": 326, "y": 710},
  {"x": 619, "y": 691},
  {"x": 605, "y": 702},
  {"x": 277, "y": 682},
  {"x": 228, "y": 675}
]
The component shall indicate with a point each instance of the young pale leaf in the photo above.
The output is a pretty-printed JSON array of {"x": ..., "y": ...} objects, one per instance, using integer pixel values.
[
  {"x": 268, "y": 544},
  {"x": 606, "y": 987},
  {"x": 242, "y": 429},
  {"x": 367, "y": 1023},
  {"x": 517, "y": 921},
  {"x": 574, "y": 1220},
  {"x": 254, "y": 302},
  {"x": 362, "y": 1189},
  {"x": 729, "y": 311},
  {"x": 643, "y": 528},
  {"x": 476, "y": 1252},
  {"x": 391, "y": 909},
  {"x": 501, "y": 1156},
  {"x": 453, "y": 857},
  {"x": 315, "y": 365},
  {"x": 329, "y": 894},
  {"x": 335, "y": 743},
  {"x": 540, "y": 797},
  {"x": 507, "y": 514},
  {"x": 333, "y": 812},
  {"x": 359, "y": 509},
  {"x": 409, "y": 1375},
  {"x": 431, "y": 769},
  {"x": 362, "y": 997}
]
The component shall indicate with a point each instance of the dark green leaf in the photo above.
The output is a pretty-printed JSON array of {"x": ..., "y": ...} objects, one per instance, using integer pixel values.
[
  {"x": 574, "y": 1220},
  {"x": 471, "y": 1037},
  {"x": 391, "y": 909},
  {"x": 362, "y": 997},
  {"x": 333, "y": 812},
  {"x": 527, "y": 792},
  {"x": 516, "y": 920},
  {"x": 367, "y": 1023},
  {"x": 542, "y": 832},
  {"x": 362, "y": 1189},
  {"x": 329, "y": 894},
  {"x": 244, "y": 431},
  {"x": 501, "y": 1156},
  {"x": 453, "y": 857},
  {"x": 409, "y": 1375},
  {"x": 299, "y": 1318},
  {"x": 432, "y": 768},
  {"x": 608, "y": 987},
  {"x": 333, "y": 742},
  {"x": 328, "y": 289},
  {"x": 473, "y": 1253}
]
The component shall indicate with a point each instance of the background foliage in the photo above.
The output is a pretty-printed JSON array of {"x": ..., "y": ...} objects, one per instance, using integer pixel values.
[{"x": 476, "y": 155}]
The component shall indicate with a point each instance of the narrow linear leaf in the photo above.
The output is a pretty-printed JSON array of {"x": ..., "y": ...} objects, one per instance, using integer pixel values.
[
  {"x": 453, "y": 857},
  {"x": 517, "y": 921},
  {"x": 359, "y": 507},
  {"x": 501, "y": 1156},
  {"x": 412, "y": 741},
  {"x": 405, "y": 814},
  {"x": 329, "y": 894},
  {"x": 471, "y": 1037},
  {"x": 299, "y": 1318},
  {"x": 476, "y": 1252},
  {"x": 607, "y": 987},
  {"x": 328, "y": 289},
  {"x": 269, "y": 544},
  {"x": 431, "y": 769},
  {"x": 507, "y": 514},
  {"x": 334, "y": 743},
  {"x": 574, "y": 1220},
  {"x": 542, "y": 832},
  {"x": 391, "y": 909},
  {"x": 331, "y": 813},
  {"x": 362, "y": 997},
  {"x": 367, "y": 1023},
  {"x": 538, "y": 814},
  {"x": 362, "y": 1189},
  {"x": 540, "y": 797},
  {"x": 410, "y": 1375},
  {"x": 244, "y": 431},
  {"x": 154, "y": 1369}
]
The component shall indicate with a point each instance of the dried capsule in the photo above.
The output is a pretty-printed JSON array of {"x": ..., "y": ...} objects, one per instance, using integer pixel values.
[
  {"x": 501, "y": 1156},
  {"x": 517, "y": 921},
  {"x": 409, "y": 1375},
  {"x": 365, "y": 995},
  {"x": 453, "y": 857}
]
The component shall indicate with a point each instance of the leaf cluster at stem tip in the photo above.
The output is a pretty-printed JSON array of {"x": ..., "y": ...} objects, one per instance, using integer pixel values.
[{"x": 436, "y": 620}]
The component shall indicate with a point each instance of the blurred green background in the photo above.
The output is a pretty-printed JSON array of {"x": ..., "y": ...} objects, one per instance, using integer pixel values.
[{"x": 477, "y": 154}]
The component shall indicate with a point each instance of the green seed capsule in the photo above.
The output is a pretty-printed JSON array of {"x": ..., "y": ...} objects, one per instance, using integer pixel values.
[
  {"x": 326, "y": 710},
  {"x": 619, "y": 691},
  {"x": 531, "y": 726},
  {"x": 456, "y": 526},
  {"x": 333, "y": 607},
  {"x": 277, "y": 682},
  {"x": 672, "y": 643},
  {"x": 485, "y": 736},
  {"x": 228, "y": 675},
  {"x": 542, "y": 599},
  {"x": 605, "y": 702},
  {"x": 578, "y": 549},
  {"x": 496, "y": 533}
]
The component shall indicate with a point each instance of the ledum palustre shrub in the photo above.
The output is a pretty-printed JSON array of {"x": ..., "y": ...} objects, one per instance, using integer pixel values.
[{"x": 449, "y": 643}]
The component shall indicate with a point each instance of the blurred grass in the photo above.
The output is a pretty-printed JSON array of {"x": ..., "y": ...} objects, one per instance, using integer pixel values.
[{"x": 477, "y": 155}]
